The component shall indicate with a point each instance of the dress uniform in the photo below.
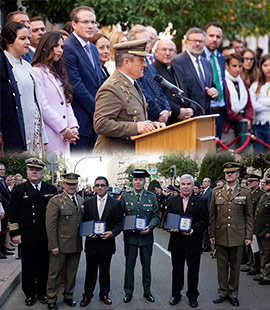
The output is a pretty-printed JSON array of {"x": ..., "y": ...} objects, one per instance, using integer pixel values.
[
  {"x": 231, "y": 222},
  {"x": 28, "y": 204},
  {"x": 119, "y": 106},
  {"x": 143, "y": 204},
  {"x": 262, "y": 231},
  {"x": 63, "y": 218}
]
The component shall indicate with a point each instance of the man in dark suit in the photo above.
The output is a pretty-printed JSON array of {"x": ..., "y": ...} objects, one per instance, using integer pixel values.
[
  {"x": 63, "y": 218},
  {"x": 187, "y": 246},
  {"x": 27, "y": 210},
  {"x": 158, "y": 106},
  {"x": 141, "y": 203},
  {"x": 231, "y": 224},
  {"x": 99, "y": 249},
  {"x": 197, "y": 70},
  {"x": 84, "y": 72},
  {"x": 4, "y": 195},
  {"x": 212, "y": 42},
  {"x": 207, "y": 194},
  {"x": 164, "y": 66}
]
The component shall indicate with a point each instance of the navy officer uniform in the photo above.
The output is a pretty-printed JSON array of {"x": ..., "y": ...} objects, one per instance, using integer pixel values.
[
  {"x": 27, "y": 208},
  {"x": 143, "y": 204}
]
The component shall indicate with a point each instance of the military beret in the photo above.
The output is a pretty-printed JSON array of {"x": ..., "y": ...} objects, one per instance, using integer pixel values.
[
  {"x": 135, "y": 47},
  {"x": 196, "y": 183},
  {"x": 170, "y": 187},
  {"x": 140, "y": 173},
  {"x": 177, "y": 186},
  {"x": 231, "y": 167},
  {"x": 72, "y": 178},
  {"x": 35, "y": 163},
  {"x": 253, "y": 177},
  {"x": 158, "y": 186}
]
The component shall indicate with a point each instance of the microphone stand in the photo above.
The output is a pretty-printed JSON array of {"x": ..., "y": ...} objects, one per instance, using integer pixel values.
[{"x": 180, "y": 96}]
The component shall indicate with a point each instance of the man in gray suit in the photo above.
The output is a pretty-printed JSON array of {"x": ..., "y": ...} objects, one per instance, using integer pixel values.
[
  {"x": 231, "y": 222},
  {"x": 63, "y": 218}
]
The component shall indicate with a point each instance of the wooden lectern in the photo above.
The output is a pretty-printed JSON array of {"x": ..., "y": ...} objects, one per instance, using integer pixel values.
[{"x": 192, "y": 136}]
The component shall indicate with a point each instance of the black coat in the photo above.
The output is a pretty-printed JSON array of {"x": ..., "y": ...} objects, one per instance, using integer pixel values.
[
  {"x": 27, "y": 209},
  {"x": 197, "y": 209},
  {"x": 11, "y": 115},
  {"x": 112, "y": 215}
]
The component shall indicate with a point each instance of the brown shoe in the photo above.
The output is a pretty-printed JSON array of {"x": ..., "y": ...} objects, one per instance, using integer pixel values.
[
  {"x": 106, "y": 300},
  {"x": 85, "y": 302}
]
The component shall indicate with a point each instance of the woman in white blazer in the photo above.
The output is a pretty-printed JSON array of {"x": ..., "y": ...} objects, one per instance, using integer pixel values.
[{"x": 55, "y": 94}]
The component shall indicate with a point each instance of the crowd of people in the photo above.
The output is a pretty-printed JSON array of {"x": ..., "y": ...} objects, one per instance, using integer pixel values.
[
  {"x": 85, "y": 89},
  {"x": 46, "y": 222}
]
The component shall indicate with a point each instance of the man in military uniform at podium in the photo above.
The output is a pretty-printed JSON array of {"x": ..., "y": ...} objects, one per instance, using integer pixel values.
[
  {"x": 231, "y": 223},
  {"x": 141, "y": 203},
  {"x": 63, "y": 218},
  {"x": 27, "y": 227}
]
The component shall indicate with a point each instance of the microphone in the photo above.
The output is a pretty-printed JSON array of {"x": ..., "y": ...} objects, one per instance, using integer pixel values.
[{"x": 177, "y": 91}]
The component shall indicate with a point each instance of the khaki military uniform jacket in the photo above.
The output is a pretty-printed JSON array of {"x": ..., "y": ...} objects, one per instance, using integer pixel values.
[
  {"x": 118, "y": 108},
  {"x": 63, "y": 220},
  {"x": 262, "y": 217},
  {"x": 231, "y": 220},
  {"x": 255, "y": 196}
]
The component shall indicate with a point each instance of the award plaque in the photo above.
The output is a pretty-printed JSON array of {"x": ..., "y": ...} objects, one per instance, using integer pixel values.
[
  {"x": 140, "y": 223},
  {"x": 185, "y": 224},
  {"x": 99, "y": 228}
]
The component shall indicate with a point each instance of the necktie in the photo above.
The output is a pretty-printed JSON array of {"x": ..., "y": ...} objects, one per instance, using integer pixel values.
[
  {"x": 138, "y": 197},
  {"x": 89, "y": 54},
  {"x": 74, "y": 200},
  {"x": 152, "y": 58},
  {"x": 216, "y": 77},
  {"x": 100, "y": 207},
  {"x": 229, "y": 193},
  {"x": 200, "y": 72},
  {"x": 236, "y": 85},
  {"x": 139, "y": 91},
  {"x": 36, "y": 186}
]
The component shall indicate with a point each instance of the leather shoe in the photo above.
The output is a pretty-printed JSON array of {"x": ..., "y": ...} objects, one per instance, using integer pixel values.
[
  {"x": 127, "y": 298},
  {"x": 258, "y": 278},
  {"x": 5, "y": 252},
  {"x": 106, "y": 300},
  {"x": 219, "y": 299},
  {"x": 149, "y": 297},
  {"x": 30, "y": 301},
  {"x": 85, "y": 302},
  {"x": 193, "y": 303},
  {"x": 253, "y": 272},
  {"x": 264, "y": 282},
  {"x": 234, "y": 302},
  {"x": 10, "y": 249},
  {"x": 52, "y": 306},
  {"x": 245, "y": 269},
  {"x": 174, "y": 300},
  {"x": 2, "y": 256},
  {"x": 207, "y": 249},
  {"x": 70, "y": 302},
  {"x": 42, "y": 299}
]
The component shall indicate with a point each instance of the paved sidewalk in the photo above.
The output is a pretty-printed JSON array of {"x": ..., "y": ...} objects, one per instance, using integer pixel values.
[{"x": 10, "y": 275}]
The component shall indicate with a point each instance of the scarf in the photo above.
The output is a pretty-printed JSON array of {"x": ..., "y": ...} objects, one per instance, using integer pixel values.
[{"x": 236, "y": 104}]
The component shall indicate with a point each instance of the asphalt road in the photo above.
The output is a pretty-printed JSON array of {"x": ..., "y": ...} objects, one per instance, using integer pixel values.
[{"x": 251, "y": 296}]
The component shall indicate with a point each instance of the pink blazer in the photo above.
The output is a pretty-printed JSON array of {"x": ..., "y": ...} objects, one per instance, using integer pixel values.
[{"x": 57, "y": 113}]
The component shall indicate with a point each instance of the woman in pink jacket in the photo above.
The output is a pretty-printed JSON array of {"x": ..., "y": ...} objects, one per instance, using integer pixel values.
[{"x": 55, "y": 94}]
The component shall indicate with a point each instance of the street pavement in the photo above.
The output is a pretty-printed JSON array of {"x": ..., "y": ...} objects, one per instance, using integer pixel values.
[{"x": 251, "y": 296}]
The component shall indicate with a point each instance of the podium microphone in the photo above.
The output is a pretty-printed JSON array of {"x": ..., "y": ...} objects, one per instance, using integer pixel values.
[{"x": 177, "y": 91}]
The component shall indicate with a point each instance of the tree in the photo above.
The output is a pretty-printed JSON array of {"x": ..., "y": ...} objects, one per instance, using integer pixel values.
[
  {"x": 184, "y": 164},
  {"x": 259, "y": 161},
  {"x": 238, "y": 17},
  {"x": 212, "y": 166},
  {"x": 152, "y": 184}
]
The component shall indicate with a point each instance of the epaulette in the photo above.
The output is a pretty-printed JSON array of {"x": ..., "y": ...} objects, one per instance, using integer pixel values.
[{"x": 114, "y": 80}]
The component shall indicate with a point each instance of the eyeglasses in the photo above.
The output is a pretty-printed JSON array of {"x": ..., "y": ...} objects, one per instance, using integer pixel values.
[
  {"x": 170, "y": 50},
  {"x": 195, "y": 41},
  {"x": 249, "y": 59},
  {"x": 87, "y": 22},
  {"x": 100, "y": 185}
]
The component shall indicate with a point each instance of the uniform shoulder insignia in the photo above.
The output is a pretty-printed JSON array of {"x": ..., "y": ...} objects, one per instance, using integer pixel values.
[{"x": 114, "y": 80}]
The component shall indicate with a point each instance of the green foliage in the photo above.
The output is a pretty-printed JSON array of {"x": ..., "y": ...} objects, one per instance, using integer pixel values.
[
  {"x": 259, "y": 161},
  {"x": 15, "y": 163},
  {"x": 212, "y": 166},
  {"x": 238, "y": 17},
  {"x": 184, "y": 164},
  {"x": 152, "y": 184},
  {"x": 129, "y": 172}
]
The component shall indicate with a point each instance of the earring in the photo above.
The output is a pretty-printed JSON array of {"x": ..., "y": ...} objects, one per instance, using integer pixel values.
[{"x": 10, "y": 44}]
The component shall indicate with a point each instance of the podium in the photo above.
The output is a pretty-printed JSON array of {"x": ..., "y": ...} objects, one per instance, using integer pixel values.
[{"x": 192, "y": 136}]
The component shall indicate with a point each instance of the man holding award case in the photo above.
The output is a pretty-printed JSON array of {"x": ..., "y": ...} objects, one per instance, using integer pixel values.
[
  {"x": 187, "y": 218},
  {"x": 102, "y": 221},
  {"x": 141, "y": 217}
]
